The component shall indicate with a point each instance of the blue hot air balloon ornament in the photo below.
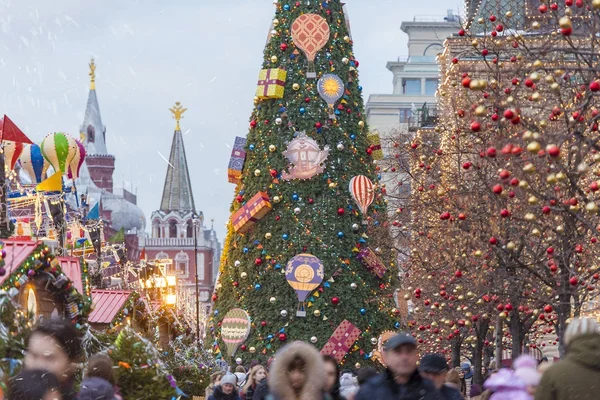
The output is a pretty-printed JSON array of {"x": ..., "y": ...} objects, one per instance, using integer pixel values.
[{"x": 331, "y": 89}]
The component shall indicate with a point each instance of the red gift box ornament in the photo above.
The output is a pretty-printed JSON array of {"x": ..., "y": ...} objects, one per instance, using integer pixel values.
[
  {"x": 340, "y": 343},
  {"x": 371, "y": 261},
  {"x": 251, "y": 212}
]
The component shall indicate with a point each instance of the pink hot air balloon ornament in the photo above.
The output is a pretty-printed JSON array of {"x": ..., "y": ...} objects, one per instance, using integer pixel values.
[
  {"x": 77, "y": 161},
  {"x": 363, "y": 193}
]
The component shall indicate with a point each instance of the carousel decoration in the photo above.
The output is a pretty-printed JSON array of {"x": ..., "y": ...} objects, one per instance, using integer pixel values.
[{"x": 306, "y": 156}]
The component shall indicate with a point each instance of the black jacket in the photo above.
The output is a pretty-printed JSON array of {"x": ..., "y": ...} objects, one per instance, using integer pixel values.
[
  {"x": 383, "y": 387},
  {"x": 451, "y": 393},
  {"x": 219, "y": 395}
]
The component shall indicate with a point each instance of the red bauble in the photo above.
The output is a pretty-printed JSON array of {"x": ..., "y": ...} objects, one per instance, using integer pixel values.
[
  {"x": 273, "y": 173},
  {"x": 462, "y": 216},
  {"x": 508, "y": 307},
  {"x": 493, "y": 18},
  {"x": 497, "y": 189},
  {"x": 595, "y": 86},
  {"x": 341, "y": 211},
  {"x": 543, "y": 8},
  {"x": 307, "y": 100},
  {"x": 263, "y": 323},
  {"x": 475, "y": 126},
  {"x": 243, "y": 347},
  {"x": 214, "y": 297},
  {"x": 236, "y": 284},
  {"x": 505, "y": 213},
  {"x": 318, "y": 125},
  {"x": 467, "y": 165},
  {"x": 335, "y": 301},
  {"x": 574, "y": 281},
  {"x": 283, "y": 46},
  {"x": 282, "y": 337},
  {"x": 546, "y": 210},
  {"x": 258, "y": 261},
  {"x": 566, "y": 31},
  {"x": 458, "y": 273},
  {"x": 553, "y": 150},
  {"x": 485, "y": 52},
  {"x": 461, "y": 32},
  {"x": 369, "y": 151},
  {"x": 253, "y": 124},
  {"x": 466, "y": 82},
  {"x": 493, "y": 240},
  {"x": 239, "y": 198},
  {"x": 548, "y": 308},
  {"x": 509, "y": 114}
]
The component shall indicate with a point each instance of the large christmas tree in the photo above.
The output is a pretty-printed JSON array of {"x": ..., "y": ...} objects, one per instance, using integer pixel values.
[{"x": 298, "y": 258}]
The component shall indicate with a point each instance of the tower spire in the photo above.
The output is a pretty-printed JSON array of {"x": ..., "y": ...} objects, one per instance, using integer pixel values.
[
  {"x": 177, "y": 111},
  {"x": 177, "y": 192},
  {"x": 92, "y": 74}
]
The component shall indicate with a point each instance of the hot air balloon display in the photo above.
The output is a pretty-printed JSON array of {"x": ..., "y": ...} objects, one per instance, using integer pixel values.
[
  {"x": 362, "y": 192},
  {"x": 331, "y": 89},
  {"x": 310, "y": 33},
  {"x": 77, "y": 161},
  {"x": 59, "y": 149},
  {"x": 235, "y": 329},
  {"x": 304, "y": 273},
  {"x": 33, "y": 162},
  {"x": 12, "y": 152}
]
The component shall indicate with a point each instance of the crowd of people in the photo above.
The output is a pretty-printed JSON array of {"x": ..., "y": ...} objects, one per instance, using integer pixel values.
[{"x": 299, "y": 372}]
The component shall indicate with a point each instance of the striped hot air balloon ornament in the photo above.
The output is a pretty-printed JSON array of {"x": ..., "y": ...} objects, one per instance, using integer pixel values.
[
  {"x": 59, "y": 149},
  {"x": 363, "y": 194}
]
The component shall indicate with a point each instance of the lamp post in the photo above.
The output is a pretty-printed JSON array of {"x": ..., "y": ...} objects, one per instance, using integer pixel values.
[{"x": 195, "y": 223}]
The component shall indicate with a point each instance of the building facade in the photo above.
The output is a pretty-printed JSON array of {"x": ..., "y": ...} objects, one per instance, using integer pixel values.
[
  {"x": 415, "y": 77},
  {"x": 178, "y": 230}
]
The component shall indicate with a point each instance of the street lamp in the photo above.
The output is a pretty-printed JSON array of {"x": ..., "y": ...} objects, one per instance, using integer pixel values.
[{"x": 196, "y": 222}]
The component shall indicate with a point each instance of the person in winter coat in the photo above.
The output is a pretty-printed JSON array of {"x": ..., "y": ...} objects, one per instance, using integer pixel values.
[
  {"x": 34, "y": 385},
  {"x": 100, "y": 380},
  {"x": 401, "y": 380},
  {"x": 505, "y": 385},
  {"x": 348, "y": 385},
  {"x": 55, "y": 345},
  {"x": 215, "y": 380},
  {"x": 435, "y": 368},
  {"x": 466, "y": 377},
  {"x": 525, "y": 368},
  {"x": 297, "y": 374},
  {"x": 240, "y": 373},
  {"x": 332, "y": 377},
  {"x": 577, "y": 377},
  {"x": 227, "y": 390},
  {"x": 257, "y": 374}
]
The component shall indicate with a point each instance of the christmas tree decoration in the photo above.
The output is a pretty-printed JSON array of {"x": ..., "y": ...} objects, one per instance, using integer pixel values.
[
  {"x": 374, "y": 148},
  {"x": 236, "y": 162},
  {"x": 372, "y": 262},
  {"x": 310, "y": 33},
  {"x": 341, "y": 341},
  {"x": 331, "y": 89},
  {"x": 304, "y": 273},
  {"x": 235, "y": 329},
  {"x": 306, "y": 157},
  {"x": 251, "y": 212},
  {"x": 362, "y": 192},
  {"x": 271, "y": 83}
]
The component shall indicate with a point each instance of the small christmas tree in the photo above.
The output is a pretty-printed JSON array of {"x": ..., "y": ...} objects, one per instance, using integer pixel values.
[
  {"x": 190, "y": 365},
  {"x": 15, "y": 326},
  {"x": 140, "y": 374}
]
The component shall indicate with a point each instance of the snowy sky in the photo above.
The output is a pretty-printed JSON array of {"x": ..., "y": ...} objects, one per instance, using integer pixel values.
[{"x": 151, "y": 53}]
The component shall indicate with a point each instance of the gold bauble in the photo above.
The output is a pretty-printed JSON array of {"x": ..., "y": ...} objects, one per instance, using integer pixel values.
[
  {"x": 555, "y": 86},
  {"x": 534, "y": 76},
  {"x": 276, "y": 199},
  {"x": 568, "y": 11},
  {"x": 509, "y": 14},
  {"x": 596, "y": 4},
  {"x": 536, "y": 232},
  {"x": 274, "y": 59},
  {"x": 533, "y": 147},
  {"x": 591, "y": 207},
  {"x": 549, "y": 79},
  {"x": 317, "y": 313},
  {"x": 480, "y": 20},
  {"x": 296, "y": 86},
  {"x": 268, "y": 235},
  {"x": 532, "y": 200},
  {"x": 529, "y": 217},
  {"x": 361, "y": 123},
  {"x": 357, "y": 365},
  {"x": 523, "y": 184},
  {"x": 275, "y": 22},
  {"x": 332, "y": 185},
  {"x": 480, "y": 110},
  {"x": 561, "y": 177},
  {"x": 252, "y": 350},
  {"x": 347, "y": 39},
  {"x": 510, "y": 245},
  {"x": 535, "y": 25},
  {"x": 536, "y": 96},
  {"x": 257, "y": 172},
  {"x": 474, "y": 43},
  {"x": 272, "y": 148},
  {"x": 565, "y": 22},
  {"x": 243, "y": 275}
]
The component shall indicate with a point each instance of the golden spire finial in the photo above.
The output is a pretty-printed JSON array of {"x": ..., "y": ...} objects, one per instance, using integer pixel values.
[
  {"x": 92, "y": 74},
  {"x": 177, "y": 111}
]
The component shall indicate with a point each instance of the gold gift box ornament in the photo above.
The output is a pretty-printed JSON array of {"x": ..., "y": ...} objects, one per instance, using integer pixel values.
[{"x": 271, "y": 83}]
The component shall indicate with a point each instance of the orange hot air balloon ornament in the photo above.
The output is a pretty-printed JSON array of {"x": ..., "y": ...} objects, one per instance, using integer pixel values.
[
  {"x": 310, "y": 33},
  {"x": 363, "y": 193}
]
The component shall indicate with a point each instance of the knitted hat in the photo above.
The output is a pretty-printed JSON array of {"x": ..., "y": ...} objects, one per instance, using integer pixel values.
[
  {"x": 525, "y": 368},
  {"x": 578, "y": 327},
  {"x": 228, "y": 378}
]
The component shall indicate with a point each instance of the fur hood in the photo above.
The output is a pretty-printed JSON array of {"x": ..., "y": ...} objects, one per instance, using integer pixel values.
[{"x": 315, "y": 372}]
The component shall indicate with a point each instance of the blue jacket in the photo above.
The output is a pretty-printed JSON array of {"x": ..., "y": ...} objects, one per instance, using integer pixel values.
[
  {"x": 95, "y": 388},
  {"x": 383, "y": 387}
]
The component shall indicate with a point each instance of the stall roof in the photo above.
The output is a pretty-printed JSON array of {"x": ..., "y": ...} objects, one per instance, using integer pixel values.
[
  {"x": 107, "y": 304},
  {"x": 17, "y": 252},
  {"x": 72, "y": 269}
]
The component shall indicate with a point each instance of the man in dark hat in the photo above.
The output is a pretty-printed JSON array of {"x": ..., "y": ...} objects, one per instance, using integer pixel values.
[
  {"x": 435, "y": 368},
  {"x": 401, "y": 380}
]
